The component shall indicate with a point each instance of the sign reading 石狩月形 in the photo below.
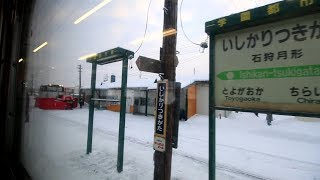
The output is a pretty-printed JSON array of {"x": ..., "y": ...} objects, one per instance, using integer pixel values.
[
  {"x": 265, "y": 60},
  {"x": 273, "y": 66},
  {"x": 161, "y": 117}
]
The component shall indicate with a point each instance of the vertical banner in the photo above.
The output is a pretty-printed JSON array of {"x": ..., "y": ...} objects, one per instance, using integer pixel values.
[{"x": 161, "y": 117}]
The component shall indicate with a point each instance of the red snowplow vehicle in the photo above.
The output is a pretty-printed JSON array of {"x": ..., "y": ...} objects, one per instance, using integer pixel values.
[{"x": 55, "y": 97}]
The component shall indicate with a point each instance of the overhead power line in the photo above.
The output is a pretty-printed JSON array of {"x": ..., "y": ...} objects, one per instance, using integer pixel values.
[
  {"x": 145, "y": 29},
  {"x": 202, "y": 45},
  {"x": 181, "y": 24}
]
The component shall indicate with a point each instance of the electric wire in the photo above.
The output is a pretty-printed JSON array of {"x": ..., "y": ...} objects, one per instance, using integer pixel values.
[
  {"x": 145, "y": 29},
  {"x": 182, "y": 26}
]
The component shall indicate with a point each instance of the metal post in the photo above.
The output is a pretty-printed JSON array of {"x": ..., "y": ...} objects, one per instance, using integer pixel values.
[
  {"x": 175, "y": 129},
  {"x": 122, "y": 114},
  {"x": 212, "y": 114},
  {"x": 146, "y": 110},
  {"x": 80, "y": 70},
  {"x": 91, "y": 107}
]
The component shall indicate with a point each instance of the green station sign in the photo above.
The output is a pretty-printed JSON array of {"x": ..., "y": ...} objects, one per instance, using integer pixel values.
[
  {"x": 267, "y": 59},
  {"x": 269, "y": 13},
  {"x": 110, "y": 56}
]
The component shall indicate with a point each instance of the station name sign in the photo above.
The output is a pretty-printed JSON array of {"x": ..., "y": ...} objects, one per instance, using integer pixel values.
[
  {"x": 161, "y": 116},
  {"x": 273, "y": 66},
  {"x": 110, "y": 56}
]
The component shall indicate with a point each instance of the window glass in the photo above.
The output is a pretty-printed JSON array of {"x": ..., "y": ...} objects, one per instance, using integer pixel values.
[{"x": 64, "y": 138}]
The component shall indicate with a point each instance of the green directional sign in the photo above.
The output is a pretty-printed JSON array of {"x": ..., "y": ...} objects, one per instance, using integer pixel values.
[{"x": 267, "y": 73}]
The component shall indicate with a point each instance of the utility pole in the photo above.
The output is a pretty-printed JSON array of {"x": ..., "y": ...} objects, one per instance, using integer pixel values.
[
  {"x": 79, "y": 70},
  {"x": 162, "y": 160}
]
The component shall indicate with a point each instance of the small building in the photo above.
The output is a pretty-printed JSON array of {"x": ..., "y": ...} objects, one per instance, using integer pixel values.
[
  {"x": 110, "y": 98},
  {"x": 133, "y": 93},
  {"x": 109, "y": 95},
  {"x": 194, "y": 99},
  {"x": 145, "y": 101},
  {"x": 197, "y": 99}
]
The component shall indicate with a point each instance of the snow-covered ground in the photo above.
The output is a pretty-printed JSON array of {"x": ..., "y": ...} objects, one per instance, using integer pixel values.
[{"x": 54, "y": 147}]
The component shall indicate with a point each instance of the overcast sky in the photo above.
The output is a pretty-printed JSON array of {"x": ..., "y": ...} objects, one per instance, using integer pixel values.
[{"x": 119, "y": 23}]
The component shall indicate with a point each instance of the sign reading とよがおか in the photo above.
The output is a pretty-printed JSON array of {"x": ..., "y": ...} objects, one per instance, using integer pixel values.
[{"x": 273, "y": 66}]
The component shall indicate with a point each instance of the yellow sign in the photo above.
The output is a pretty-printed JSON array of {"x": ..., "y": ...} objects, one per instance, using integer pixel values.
[
  {"x": 273, "y": 8},
  {"x": 222, "y": 22},
  {"x": 304, "y": 3},
  {"x": 245, "y": 16}
]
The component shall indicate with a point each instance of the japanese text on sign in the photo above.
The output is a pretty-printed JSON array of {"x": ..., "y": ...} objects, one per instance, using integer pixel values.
[
  {"x": 160, "y": 122},
  {"x": 299, "y": 32},
  {"x": 272, "y": 67}
]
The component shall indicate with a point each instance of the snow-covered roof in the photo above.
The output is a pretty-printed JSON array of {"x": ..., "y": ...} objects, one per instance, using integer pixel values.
[
  {"x": 186, "y": 84},
  {"x": 140, "y": 83}
]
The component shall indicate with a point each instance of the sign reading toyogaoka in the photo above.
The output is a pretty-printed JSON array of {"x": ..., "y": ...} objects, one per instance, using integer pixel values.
[
  {"x": 273, "y": 66},
  {"x": 161, "y": 117}
]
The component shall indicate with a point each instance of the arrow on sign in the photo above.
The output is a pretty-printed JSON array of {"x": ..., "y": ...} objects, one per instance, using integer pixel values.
[
  {"x": 151, "y": 65},
  {"x": 271, "y": 73}
]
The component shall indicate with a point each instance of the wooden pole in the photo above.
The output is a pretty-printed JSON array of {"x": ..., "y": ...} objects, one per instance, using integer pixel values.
[{"x": 162, "y": 160}]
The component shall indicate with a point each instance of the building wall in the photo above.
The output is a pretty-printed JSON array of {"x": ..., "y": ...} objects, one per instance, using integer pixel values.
[
  {"x": 198, "y": 101},
  {"x": 130, "y": 96},
  {"x": 116, "y": 94},
  {"x": 202, "y": 99},
  {"x": 152, "y": 94},
  {"x": 192, "y": 100},
  {"x": 140, "y": 102},
  {"x": 111, "y": 94},
  {"x": 116, "y": 108}
]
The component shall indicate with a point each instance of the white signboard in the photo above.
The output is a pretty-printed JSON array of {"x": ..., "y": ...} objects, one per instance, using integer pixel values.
[
  {"x": 159, "y": 144},
  {"x": 271, "y": 67}
]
